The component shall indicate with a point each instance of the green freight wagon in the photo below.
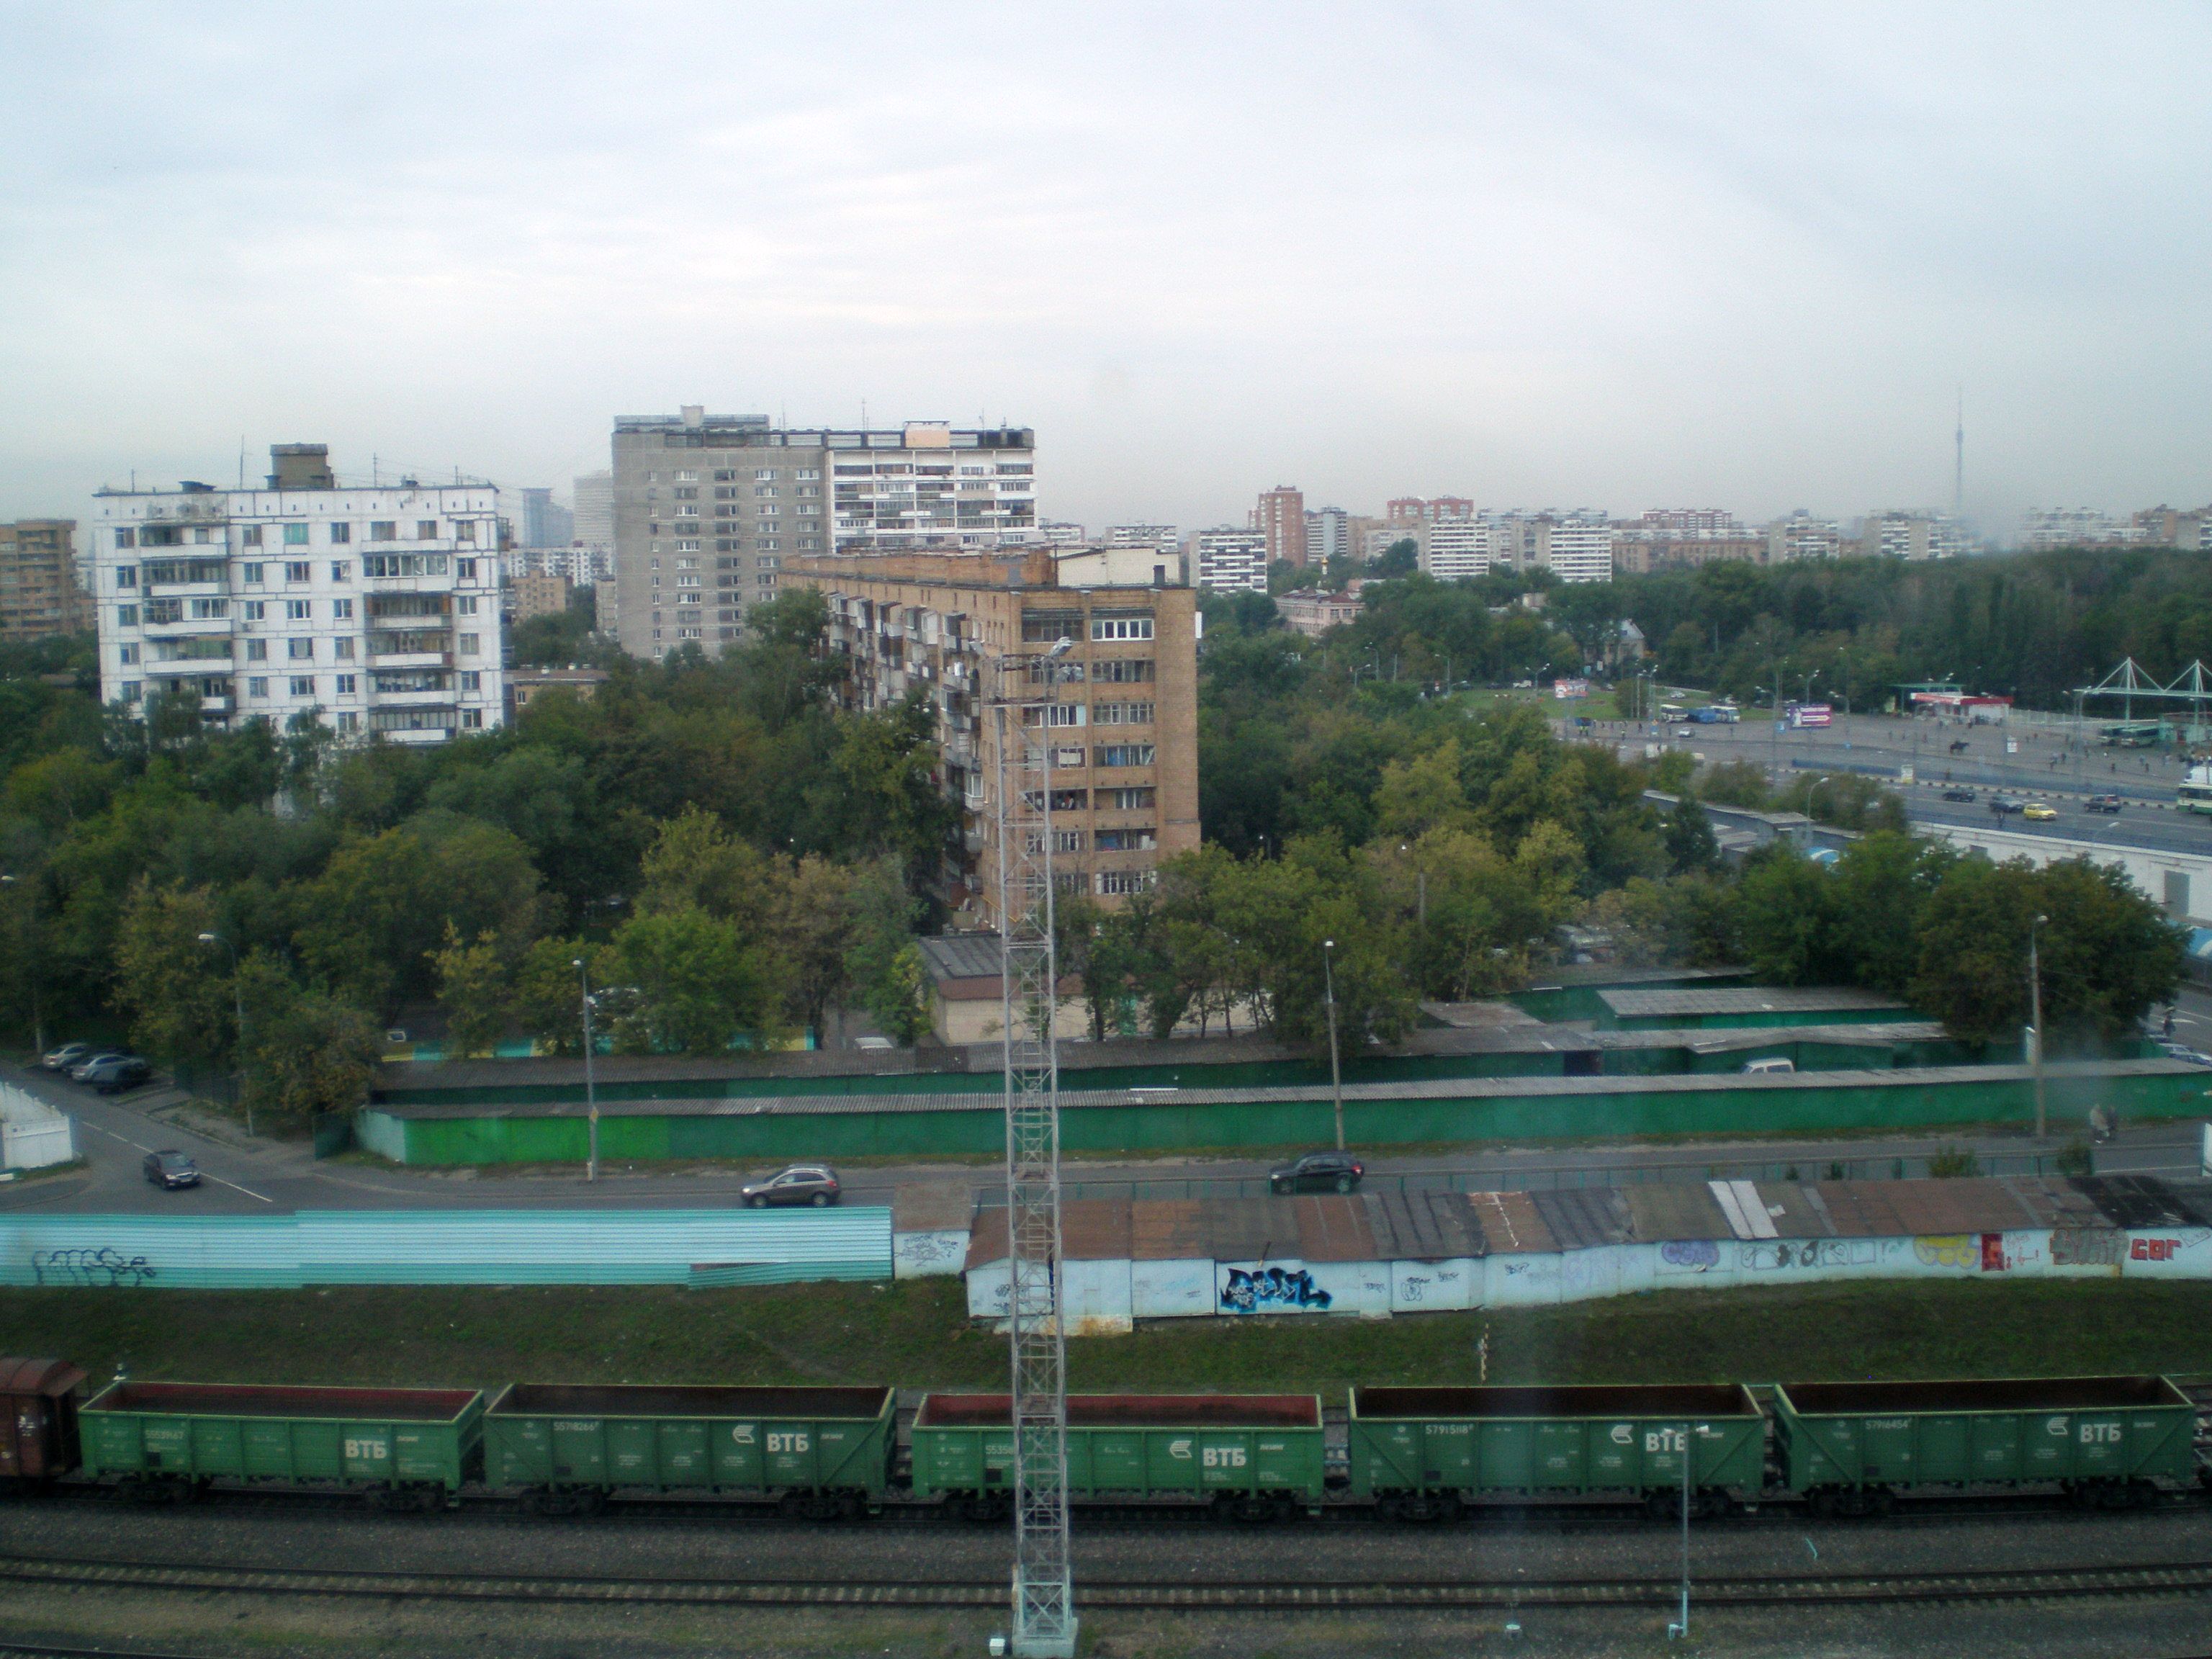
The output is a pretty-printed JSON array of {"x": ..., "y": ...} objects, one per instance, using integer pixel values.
[
  {"x": 824, "y": 1453},
  {"x": 1420, "y": 1453},
  {"x": 1255, "y": 1455},
  {"x": 405, "y": 1448},
  {"x": 2108, "y": 1440}
]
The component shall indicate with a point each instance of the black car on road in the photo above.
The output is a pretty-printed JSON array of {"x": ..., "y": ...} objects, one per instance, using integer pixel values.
[
  {"x": 2001, "y": 804},
  {"x": 1959, "y": 794},
  {"x": 111, "y": 1074},
  {"x": 2103, "y": 804},
  {"x": 172, "y": 1170},
  {"x": 1318, "y": 1172},
  {"x": 801, "y": 1184}
]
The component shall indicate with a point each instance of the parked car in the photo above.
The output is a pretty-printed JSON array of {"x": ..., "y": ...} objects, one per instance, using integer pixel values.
[
  {"x": 2040, "y": 811},
  {"x": 1318, "y": 1172},
  {"x": 2183, "y": 1052},
  {"x": 1769, "y": 1064},
  {"x": 172, "y": 1170},
  {"x": 2103, "y": 804},
  {"x": 67, "y": 1057},
  {"x": 82, "y": 1072},
  {"x": 111, "y": 1074},
  {"x": 2002, "y": 804},
  {"x": 801, "y": 1184},
  {"x": 1959, "y": 794}
]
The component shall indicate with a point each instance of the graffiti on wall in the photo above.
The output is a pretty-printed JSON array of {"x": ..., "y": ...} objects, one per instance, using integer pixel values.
[
  {"x": 1272, "y": 1290},
  {"x": 1948, "y": 1250},
  {"x": 1786, "y": 1254},
  {"x": 1691, "y": 1254},
  {"x": 105, "y": 1268}
]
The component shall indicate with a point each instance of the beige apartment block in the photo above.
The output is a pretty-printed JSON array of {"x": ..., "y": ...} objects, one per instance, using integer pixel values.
[
  {"x": 540, "y": 596},
  {"x": 1122, "y": 731},
  {"x": 39, "y": 593},
  {"x": 1280, "y": 517}
]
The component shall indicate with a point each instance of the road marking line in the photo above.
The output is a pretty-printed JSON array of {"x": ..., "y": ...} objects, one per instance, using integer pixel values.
[{"x": 204, "y": 1176}]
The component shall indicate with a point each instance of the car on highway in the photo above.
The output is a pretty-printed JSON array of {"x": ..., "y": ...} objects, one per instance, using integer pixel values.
[
  {"x": 799, "y": 1183},
  {"x": 2183, "y": 1052},
  {"x": 2103, "y": 804},
  {"x": 111, "y": 1074},
  {"x": 2001, "y": 804},
  {"x": 1959, "y": 794},
  {"x": 67, "y": 1057},
  {"x": 172, "y": 1170},
  {"x": 1318, "y": 1172},
  {"x": 2040, "y": 811}
]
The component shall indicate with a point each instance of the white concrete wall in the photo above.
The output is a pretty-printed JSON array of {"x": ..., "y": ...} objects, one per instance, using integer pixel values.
[
  {"x": 33, "y": 1134},
  {"x": 2146, "y": 866}
]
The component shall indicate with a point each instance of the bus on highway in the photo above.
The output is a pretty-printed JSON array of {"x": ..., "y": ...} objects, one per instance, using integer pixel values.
[
  {"x": 2133, "y": 734},
  {"x": 2194, "y": 794}
]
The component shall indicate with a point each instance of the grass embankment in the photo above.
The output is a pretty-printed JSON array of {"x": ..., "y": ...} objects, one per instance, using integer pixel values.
[{"x": 916, "y": 1335}]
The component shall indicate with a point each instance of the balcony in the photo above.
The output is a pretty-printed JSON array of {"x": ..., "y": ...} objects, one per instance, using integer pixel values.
[
  {"x": 188, "y": 668},
  {"x": 410, "y": 659},
  {"x": 188, "y": 628},
  {"x": 436, "y": 696}
]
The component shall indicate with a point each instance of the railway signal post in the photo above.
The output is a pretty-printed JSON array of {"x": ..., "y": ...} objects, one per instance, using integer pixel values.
[{"x": 1044, "y": 1611}]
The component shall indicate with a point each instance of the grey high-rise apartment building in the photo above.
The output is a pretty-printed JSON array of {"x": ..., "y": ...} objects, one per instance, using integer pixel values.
[
  {"x": 545, "y": 522},
  {"x": 707, "y": 507},
  {"x": 595, "y": 509}
]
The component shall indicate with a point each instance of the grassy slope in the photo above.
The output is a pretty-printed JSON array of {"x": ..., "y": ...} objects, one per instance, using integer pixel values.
[{"x": 916, "y": 1334}]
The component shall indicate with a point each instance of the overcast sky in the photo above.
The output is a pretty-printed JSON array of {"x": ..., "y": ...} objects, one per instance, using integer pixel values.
[{"x": 1620, "y": 257}]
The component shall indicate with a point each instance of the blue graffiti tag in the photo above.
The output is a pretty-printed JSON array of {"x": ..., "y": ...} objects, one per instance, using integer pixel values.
[
  {"x": 1266, "y": 1289},
  {"x": 105, "y": 1267}
]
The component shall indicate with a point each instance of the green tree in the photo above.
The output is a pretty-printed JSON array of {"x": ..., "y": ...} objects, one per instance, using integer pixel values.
[
  {"x": 307, "y": 1054},
  {"x": 1786, "y": 905},
  {"x": 883, "y": 962},
  {"x": 1689, "y": 838},
  {"x": 475, "y": 991},
  {"x": 1972, "y": 971},
  {"x": 694, "y": 983},
  {"x": 177, "y": 990}
]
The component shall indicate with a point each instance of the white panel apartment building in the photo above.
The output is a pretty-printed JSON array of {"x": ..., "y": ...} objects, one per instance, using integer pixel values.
[
  {"x": 1230, "y": 560},
  {"x": 1575, "y": 546},
  {"x": 375, "y": 610},
  {"x": 707, "y": 506},
  {"x": 1451, "y": 549}
]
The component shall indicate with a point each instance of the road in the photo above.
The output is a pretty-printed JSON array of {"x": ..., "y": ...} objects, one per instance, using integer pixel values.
[{"x": 259, "y": 1176}]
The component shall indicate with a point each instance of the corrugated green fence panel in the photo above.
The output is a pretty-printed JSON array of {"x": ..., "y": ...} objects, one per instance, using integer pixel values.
[{"x": 430, "y": 1247}]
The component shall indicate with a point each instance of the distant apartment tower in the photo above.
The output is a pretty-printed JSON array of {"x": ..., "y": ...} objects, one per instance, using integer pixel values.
[
  {"x": 1575, "y": 546},
  {"x": 1228, "y": 560},
  {"x": 2162, "y": 526},
  {"x": 1280, "y": 518},
  {"x": 595, "y": 509},
  {"x": 2044, "y": 528},
  {"x": 1893, "y": 533},
  {"x": 1058, "y": 533},
  {"x": 40, "y": 595},
  {"x": 1413, "y": 509},
  {"x": 540, "y": 596},
  {"x": 374, "y": 610},
  {"x": 1329, "y": 535},
  {"x": 708, "y": 507},
  {"x": 1670, "y": 539},
  {"x": 1123, "y": 736},
  {"x": 1802, "y": 536},
  {"x": 545, "y": 522},
  {"x": 1163, "y": 537},
  {"x": 1453, "y": 549}
]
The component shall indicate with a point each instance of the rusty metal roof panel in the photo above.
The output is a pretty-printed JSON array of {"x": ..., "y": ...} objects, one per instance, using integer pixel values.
[
  {"x": 1334, "y": 1227},
  {"x": 1095, "y": 1229},
  {"x": 1793, "y": 1215},
  {"x": 1250, "y": 1228},
  {"x": 1966, "y": 1204},
  {"x": 1169, "y": 1229},
  {"x": 1659, "y": 1211},
  {"x": 1583, "y": 1218},
  {"x": 987, "y": 1239},
  {"x": 1511, "y": 1222}
]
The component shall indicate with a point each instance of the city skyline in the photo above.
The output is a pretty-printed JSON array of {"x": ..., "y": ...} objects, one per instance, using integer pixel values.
[{"x": 1564, "y": 255}]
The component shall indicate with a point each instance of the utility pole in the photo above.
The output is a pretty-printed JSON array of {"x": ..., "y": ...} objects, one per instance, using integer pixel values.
[
  {"x": 1335, "y": 1071},
  {"x": 1044, "y": 1595},
  {"x": 590, "y": 1093},
  {"x": 2035, "y": 1029},
  {"x": 238, "y": 1008}
]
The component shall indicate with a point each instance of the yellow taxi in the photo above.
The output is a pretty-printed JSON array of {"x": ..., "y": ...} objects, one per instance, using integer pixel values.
[{"x": 2041, "y": 812}]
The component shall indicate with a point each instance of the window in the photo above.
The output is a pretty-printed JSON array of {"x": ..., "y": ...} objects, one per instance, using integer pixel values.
[
  {"x": 125, "y": 539},
  {"x": 348, "y": 722},
  {"x": 1062, "y": 713},
  {"x": 341, "y": 610},
  {"x": 686, "y": 581},
  {"x": 1123, "y": 713},
  {"x": 341, "y": 534},
  {"x": 126, "y": 575},
  {"x": 1067, "y": 757},
  {"x": 159, "y": 612},
  {"x": 472, "y": 719},
  {"x": 345, "y": 648},
  {"x": 814, "y": 473},
  {"x": 131, "y": 691},
  {"x": 1125, "y": 881},
  {"x": 426, "y": 529},
  {"x": 763, "y": 490},
  {"x": 295, "y": 535},
  {"x": 251, "y": 572},
  {"x": 464, "y": 529},
  {"x": 1126, "y": 753},
  {"x": 210, "y": 609},
  {"x": 346, "y": 682},
  {"x": 1119, "y": 628},
  {"x": 471, "y": 679},
  {"x": 257, "y": 651},
  {"x": 686, "y": 495},
  {"x": 1123, "y": 670},
  {"x": 126, "y": 655},
  {"x": 764, "y": 473},
  {"x": 404, "y": 564},
  {"x": 200, "y": 535},
  {"x": 299, "y": 650},
  {"x": 1039, "y": 629},
  {"x": 384, "y": 530},
  {"x": 689, "y": 475},
  {"x": 723, "y": 475},
  {"x": 1127, "y": 841},
  {"x": 466, "y": 605},
  {"x": 254, "y": 608},
  {"x": 257, "y": 686},
  {"x": 1063, "y": 800},
  {"x": 298, "y": 572},
  {"x": 465, "y": 570},
  {"x": 126, "y": 616},
  {"x": 469, "y": 644},
  {"x": 303, "y": 685},
  {"x": 250, "y": 536},
  {"x": 340, "y": 570},
  {"x": 1068, "y": 840},
  {"x": 295, "y": 610}
]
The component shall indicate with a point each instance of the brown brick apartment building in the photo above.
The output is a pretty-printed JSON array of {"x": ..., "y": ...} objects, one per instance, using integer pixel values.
[
  {"x": 1123, "y": 734},
  {"x": 39, "y": 593}
]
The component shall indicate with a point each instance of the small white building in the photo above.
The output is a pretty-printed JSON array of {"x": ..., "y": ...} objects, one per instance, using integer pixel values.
[{"x": 374, "y": 609}]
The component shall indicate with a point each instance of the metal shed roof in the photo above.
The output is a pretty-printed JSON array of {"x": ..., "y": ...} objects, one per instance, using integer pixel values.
[
  {"x": 1661, "y": 1211},
  {"x": 1581, "y": 1218},
  {"x": 1744, "y": 1000}
]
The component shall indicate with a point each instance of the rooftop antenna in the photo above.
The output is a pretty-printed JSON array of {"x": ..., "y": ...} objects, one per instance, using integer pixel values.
[
  {"x": 372, "y": 482},
  {"x": 1958, "y": 473},
  {"x": 242, "y": 460}
]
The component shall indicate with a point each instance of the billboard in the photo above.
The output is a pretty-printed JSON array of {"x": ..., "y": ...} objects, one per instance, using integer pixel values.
[{"x": 1812, "y": 713}]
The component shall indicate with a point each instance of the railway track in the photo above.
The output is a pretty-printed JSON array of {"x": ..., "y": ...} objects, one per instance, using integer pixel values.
[{"x": 2060, "y": 1584}]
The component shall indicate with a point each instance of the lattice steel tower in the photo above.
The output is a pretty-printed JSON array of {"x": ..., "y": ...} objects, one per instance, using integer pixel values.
[{"x": 1044, "y": 1612}]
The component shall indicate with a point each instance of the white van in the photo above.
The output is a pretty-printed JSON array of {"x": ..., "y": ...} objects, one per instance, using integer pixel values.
[{"x": 1765, "y": 1067}]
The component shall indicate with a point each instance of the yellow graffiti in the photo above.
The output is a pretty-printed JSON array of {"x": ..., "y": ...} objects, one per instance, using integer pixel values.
[{"x": 1948, "y": 1250}]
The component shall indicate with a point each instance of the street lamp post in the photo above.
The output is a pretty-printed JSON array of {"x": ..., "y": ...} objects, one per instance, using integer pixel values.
[
  {"x": 238, "y": 1008},
  {"x": 1681, "y": 1628},
  {"x": 2035, "y": 1014},
  {"x": 590, "y": 1093},
  {"x": 1335, "y": 1071},
  {"x": 37, "y": 1013}
]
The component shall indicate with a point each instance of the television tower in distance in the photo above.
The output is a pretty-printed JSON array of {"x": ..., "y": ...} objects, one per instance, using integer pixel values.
[{"x": 1958, "y": 471}]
